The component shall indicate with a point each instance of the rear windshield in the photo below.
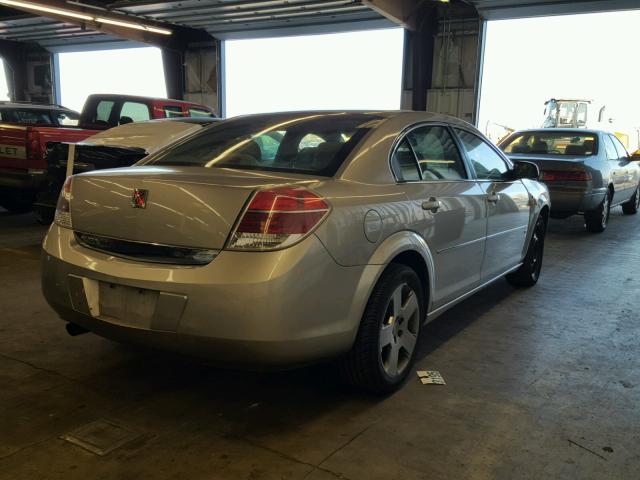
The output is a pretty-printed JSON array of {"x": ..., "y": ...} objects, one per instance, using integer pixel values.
[
  {"x": 552, "y": 143},
  {"x": 26, "y": 116},
  {"x": 313, "y": 143}
]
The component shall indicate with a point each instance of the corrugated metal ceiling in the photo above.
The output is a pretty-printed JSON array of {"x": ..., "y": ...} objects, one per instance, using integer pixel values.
[
  {"x": 221, "y": 18},
  {"x": 244, "y": 18},
  {"x": 503, "y": 9}
]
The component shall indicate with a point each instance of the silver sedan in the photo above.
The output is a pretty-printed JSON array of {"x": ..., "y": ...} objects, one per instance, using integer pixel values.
[
  {"x": 282, "y": 239},
  {"x": 587, "y": 171}
]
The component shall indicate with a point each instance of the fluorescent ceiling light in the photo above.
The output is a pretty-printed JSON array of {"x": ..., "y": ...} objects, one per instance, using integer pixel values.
[
  {"x": 81, "y": 16},
  {"x": 43, "y": 8},
  {"x": 137, "y": 26}
]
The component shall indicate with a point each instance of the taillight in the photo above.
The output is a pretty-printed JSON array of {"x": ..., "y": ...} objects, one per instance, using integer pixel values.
[
  {"x": 565, "y": 176},
  {"x": 278, "y": 218},
  {"x": 63, "y": 208},
  {"x": 33, "y": 146}
]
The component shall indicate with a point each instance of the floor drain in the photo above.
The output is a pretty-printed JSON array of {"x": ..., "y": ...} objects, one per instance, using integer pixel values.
[{"x": 100, "y": 437}]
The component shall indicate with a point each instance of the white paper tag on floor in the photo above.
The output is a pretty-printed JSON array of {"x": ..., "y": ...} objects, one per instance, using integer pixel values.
[{"x": 430, "y": 377}]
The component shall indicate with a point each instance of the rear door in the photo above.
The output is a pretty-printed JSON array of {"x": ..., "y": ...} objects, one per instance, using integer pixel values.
[
  {"x": 617, "y": 169},
  {"x": 448, "y": 204},
  {"x": 507, "y": 202},
  {"x": 629, "y": 173}
]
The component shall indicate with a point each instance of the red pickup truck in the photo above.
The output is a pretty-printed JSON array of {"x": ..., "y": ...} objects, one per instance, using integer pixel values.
[{"x": 25, "y": 130}]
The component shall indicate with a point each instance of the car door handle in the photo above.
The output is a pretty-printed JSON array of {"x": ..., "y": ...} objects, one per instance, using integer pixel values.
[
  {"x": 493, "y": 197},
  {"x": 432, "y": 204}
]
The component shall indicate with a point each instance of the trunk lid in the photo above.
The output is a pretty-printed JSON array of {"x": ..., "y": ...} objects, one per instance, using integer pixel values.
[
  {"x": 189, "y": 206},
  {"x": 552, "y": 162}
]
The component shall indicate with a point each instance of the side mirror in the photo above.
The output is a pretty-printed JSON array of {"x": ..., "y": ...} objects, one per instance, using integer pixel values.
[{"x": 526, "y": 170}]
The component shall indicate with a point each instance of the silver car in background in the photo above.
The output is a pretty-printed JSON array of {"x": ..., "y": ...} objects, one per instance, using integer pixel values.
[
  {"x": 282, "y": 239},
  {"x": 587, "y": 171}
]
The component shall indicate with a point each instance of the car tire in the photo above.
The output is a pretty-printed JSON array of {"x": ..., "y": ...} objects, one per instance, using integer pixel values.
[
  {"x": 529, "y": 272},
  {"x": 44, "y": 215},
  {"x": 633, "y": 205},
  {"x": 385, "y": 347},
  {"x": 596, "y": 220}
]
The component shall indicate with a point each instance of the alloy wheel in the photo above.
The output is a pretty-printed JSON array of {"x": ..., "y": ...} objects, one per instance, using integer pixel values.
[
  {"x": 537, "y": 247},
  {"x": 399, "y": 330},
  {"x": 606, "y": 209}
]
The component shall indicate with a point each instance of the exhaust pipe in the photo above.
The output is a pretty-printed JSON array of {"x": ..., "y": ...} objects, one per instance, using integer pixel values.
[{"x": 75, "y": 330}]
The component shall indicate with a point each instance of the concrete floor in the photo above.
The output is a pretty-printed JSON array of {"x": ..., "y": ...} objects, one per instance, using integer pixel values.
[{"x": 541, "y": 384}]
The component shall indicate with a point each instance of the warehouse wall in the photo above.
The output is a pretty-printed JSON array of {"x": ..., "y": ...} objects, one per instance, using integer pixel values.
[
  {"x": 28, "y": 69},
  {"x": 454, "y": 83},
  {"x": 455, "y": 59}
]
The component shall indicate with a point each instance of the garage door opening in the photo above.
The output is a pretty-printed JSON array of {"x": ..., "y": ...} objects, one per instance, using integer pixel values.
[
  {"x": 354, "y": 70},
  {"x": 588, "y": 57},
  {"x": 131, "y": 71}
]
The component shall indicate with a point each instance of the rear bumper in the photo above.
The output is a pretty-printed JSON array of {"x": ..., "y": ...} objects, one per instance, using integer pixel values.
[
  {"x": 27, "y": 180},
  {"x": 569, "y": 201},
  {"x": 260, "y": 310}
]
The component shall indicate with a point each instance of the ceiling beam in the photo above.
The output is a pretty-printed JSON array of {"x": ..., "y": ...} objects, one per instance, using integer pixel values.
[{"x": 402, "y": 12}]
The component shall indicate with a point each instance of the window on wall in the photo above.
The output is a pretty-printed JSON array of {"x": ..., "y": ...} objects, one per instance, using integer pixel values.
[
  {"x": 353, "y": 70},
  {"x": 4, "y": 86},
  {"x": 130, "y": 71}
]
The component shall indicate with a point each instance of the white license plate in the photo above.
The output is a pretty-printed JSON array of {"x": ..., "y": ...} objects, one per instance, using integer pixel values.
[{"x": 129, "y": 305}]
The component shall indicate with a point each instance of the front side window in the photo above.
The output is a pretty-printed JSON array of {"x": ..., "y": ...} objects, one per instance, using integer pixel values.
[
  {"x": 172, "y": 111},
  {"x": 581, "y": 116},
  {"x": 567, "y": 112},
  {"x": 436, "y": 153},
  {"x": 242, "y": 143},
  {"x": 486, "y": 162},
  {"x": 134, "y": 111}
]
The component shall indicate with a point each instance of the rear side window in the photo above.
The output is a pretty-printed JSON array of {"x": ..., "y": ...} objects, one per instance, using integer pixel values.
[
  {"x": 199, "y": 112},
  {"x": 622, "y": 152},
  {"x": 172, "y": 111},
  {"x": 612, "y": 153},
  {"x": 404, "y": 164},
  {"x": 315, "y": 144},
  {"x": 437, "y": 155},
  {"x": 136, "y": 111},
  {"x": 486, "y": 162}
]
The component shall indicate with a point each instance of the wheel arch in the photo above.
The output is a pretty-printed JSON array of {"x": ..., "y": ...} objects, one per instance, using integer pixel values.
[{"x": 410, "y": 249}]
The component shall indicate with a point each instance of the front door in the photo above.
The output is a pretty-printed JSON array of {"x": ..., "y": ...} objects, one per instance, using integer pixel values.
[{"x": 508, "y": 206}]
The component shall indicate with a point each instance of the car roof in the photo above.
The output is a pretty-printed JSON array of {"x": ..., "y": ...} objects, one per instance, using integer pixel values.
[
  {"x": 200, "y": 120},
  {"x": 408, "y": 115},
  {"x": 34, "y": 106},
  {"x": 119, "y": 96},
  {"x": 570, "y": 131}
]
